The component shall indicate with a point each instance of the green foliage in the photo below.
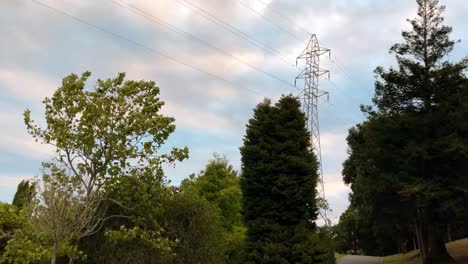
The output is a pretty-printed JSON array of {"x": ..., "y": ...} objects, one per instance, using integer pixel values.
[
  {"x": 219, "y": 184},
  {"x": 195, "y": 225},
  {"x": 346, "y": 232},
  {"x": 10, "y": 220},
  {"x": 407, "y": 162},
  {"x": 24, "y": 194},
  {"x": 26, "y": 246},
  {"x": 279, "y": 179},
  {"x": 109, "y": 138},
  {"x": 133, "y": 231},
  {"x": 62, "y": 211},
  {"x": 113, "y": 130}
]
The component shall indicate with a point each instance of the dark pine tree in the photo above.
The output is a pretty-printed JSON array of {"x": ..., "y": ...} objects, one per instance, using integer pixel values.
[
  {"x": 24, "y": 194},
  {"x": 408, "y": 161},
  {"x": 278, "y": 182}
]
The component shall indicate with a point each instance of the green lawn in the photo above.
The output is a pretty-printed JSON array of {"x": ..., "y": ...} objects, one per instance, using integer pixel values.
[
  {"x": 407, "y": 257},
  {"x": 457, "y": 249},
  {"x": 339, "y": 255}
]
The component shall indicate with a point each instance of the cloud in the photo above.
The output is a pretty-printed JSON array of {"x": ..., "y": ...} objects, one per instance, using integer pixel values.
[
  {"x": 8, "y": 185},
  {"x": 334, "y": 145},
  {"x": 44, "y": 46},
  {"x": 11, "y": 182},
  {"x": 336, "y": 188},
  {"x": 198, "y": 120},
  {"x": 26, "y": 84},
  {"x": 14, "y": 138}
]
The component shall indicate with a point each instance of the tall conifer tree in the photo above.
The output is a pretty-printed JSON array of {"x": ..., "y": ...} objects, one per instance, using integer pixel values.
[
  {"x": 408, "y": 160},
  {"x": 278, "y": 181}
]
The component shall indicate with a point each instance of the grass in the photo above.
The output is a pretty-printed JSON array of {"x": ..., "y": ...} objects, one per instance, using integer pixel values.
[
  {"x": 410, "y": 257},
  {"x": 457, "y": 249},
  {"x": 339, "y": 255}
]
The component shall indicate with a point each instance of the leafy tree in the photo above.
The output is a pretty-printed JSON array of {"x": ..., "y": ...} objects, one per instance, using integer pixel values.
[
  {"x": 26, "y": 246},
  {"x": 19, "y": 243},
  {"x": 24, "y": 194},
  {"x": 10, "y": 219},
  {"x": 107, "y": 134},
  {"x": 408, "y": 160},
  {"x": 113, "y": 130},
  {"x": 62, "y": 210},
  {"x": 347, "y": 231},
  {"x": 278, "y": 182},
  {"x": 195, "y": 225},
  {"x": 134, "y": 231},
  {"x": 219, "y": 184}
]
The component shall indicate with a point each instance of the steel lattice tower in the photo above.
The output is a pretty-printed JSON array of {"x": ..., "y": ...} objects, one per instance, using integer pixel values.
[{"x": 310, "y": 96}]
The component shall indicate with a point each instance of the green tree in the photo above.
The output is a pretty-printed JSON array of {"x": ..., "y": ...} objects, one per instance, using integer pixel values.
[
  {"x": 112, "y": 130},
  {"x": 219, "y": 184},
  {"x": 10, "y": 219},
  {"x": 347, "y": 231},
  {"x": 24, "y": 194},
  {"x": 195, "y": 225},
  {"x": 62, "y": 212},
  {"x": 278, "y": 182},
  {"x": 19, "y": 243},
  {"x": 111, "y": 135},
  {"x": 135, "y": 230},
  {"x": 408, "y": 160}
]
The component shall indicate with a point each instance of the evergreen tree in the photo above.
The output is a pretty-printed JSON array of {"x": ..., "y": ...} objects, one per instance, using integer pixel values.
[
  {"x": 24, "y": 194},
  {"x": 408, "y": 160},
  {"x": 278, "y": 182}
]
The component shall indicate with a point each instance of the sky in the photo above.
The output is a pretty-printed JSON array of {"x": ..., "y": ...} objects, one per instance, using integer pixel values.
[{"x": 210, "y": 78}]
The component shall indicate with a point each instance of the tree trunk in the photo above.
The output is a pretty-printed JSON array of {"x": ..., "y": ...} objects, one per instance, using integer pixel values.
[
  {"x": 438, "y": 253},
  {"x": 53, "y": 259},
  {"x": 449, "y": 233},
  {"x": 421, "y": 233}
]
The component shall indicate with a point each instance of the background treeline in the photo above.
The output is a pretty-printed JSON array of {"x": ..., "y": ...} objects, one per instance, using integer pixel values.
[
  {"x": 408, "y": 162},
  {"x": 104, "y": 197}
]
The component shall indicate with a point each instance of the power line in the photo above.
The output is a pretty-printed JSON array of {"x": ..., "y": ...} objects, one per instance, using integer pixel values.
[
  {"x": 215, "y": 19},
  {"x": 347, "y": 75},
  {"x": 284, "y": 16},
  {"x": 271, "y": 22},
  {"x": 139, "y": 45},
  {"x": 193, "y": 37}
]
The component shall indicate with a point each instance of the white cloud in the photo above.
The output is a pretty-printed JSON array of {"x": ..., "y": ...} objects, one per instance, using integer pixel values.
[
  {"x": 14, "y": 139},
  {"x": 336, "y": 188},
  {"x": 358, "y": 32},
  {"x": 26, "y": 84},
  {"x": 10, "y": 182},
  {"x": 198, "y": 120},
  {"x": 334, "y": 145}
]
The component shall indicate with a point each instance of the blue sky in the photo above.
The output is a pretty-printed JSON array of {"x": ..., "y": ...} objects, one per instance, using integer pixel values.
[{"x": 39, "y": 47}]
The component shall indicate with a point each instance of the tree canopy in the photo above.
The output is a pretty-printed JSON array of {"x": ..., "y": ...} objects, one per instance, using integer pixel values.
[
  {"x": 278, "y": 182},
  {"x": 407, "y": 162}
]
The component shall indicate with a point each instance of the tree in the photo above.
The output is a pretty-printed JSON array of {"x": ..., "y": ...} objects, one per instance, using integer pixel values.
[
  {"x": 135, "y": 231},
  {"x": 107, "y": 135},
  {"x": 219, "y": 184},
  {"x": 195, "y": 225},
  {"x": 10, "y": 220},
  {"x": 114, "y": 130},
  {"x": 24, "y": 194},
  {"x": 407, "y": 169},
  {"x": 62, "y": 211},
  {"x": 278, "y": 182}
]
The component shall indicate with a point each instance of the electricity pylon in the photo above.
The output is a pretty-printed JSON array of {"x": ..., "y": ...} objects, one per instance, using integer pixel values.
[{"x": 310, "y": 95}]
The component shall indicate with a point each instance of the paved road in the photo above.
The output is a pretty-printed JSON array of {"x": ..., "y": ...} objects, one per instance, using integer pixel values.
[{"x": 359, "y": 260}]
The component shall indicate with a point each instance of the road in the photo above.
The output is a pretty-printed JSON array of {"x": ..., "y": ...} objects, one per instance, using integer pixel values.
[{"x": 359, "y": 260}]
